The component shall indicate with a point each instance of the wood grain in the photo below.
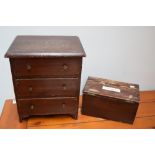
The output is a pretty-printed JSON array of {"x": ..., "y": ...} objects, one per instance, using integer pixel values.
[
  {"x": 45, "y": 67},
  {"x": 140, "y": 123},
  {"x": 45, "y": 46},
  {"x": 47, "y": 87},
  {"x": 145, "y": 118},
  {"x": 129, "y": 91},
  {"x": 49, "y": 67},
  {"x": 9, "y": 117},
  {"x": 118, "y": 104}
]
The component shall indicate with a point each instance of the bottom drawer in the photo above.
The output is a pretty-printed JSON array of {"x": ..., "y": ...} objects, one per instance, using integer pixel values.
[{"x": 29, "y": 107}]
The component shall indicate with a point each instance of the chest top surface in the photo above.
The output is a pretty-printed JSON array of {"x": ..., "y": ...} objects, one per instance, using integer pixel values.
[
  {"x": 45, "y": 46},
  {"x": 114, "y": 89}
]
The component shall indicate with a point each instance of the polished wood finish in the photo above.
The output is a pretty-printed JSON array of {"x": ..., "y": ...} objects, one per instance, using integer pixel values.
[
  {"x": 48, "y": 106},
  {"x": 117, "y": 101},
  {"x": 47, "y": 67},
  {"x": 46, "y": 70},
  {"x": 145, "y": 118},
  {"x": 108, "y": 108},
  {"x": 128, "y": 91},
  {"x": 9, "y": 118},
  {"x": 45, "y": 46},
  {"x": 47, "y": 87}
]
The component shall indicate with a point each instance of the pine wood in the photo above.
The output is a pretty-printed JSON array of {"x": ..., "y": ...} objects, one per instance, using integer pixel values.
[
  {"x": 145, "y": 118},
  {"x": 146, "y": 122},
  {"x": 9, "y": 117}
]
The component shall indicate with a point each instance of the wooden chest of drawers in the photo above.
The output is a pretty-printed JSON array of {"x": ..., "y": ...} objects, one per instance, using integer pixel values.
[
  {"x": 110, "y": 99},
  {"x": 46, "y": 73}
]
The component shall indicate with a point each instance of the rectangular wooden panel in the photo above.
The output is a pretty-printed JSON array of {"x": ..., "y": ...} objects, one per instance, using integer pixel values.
[
  {"x": 31, "y": 46},
  {"x": 47, "y": 106},
  {"x": 109, "y": 108},
  {"x": 140, "y": 123},
  {"x": 47, "y": 67},
  {"x": 47, "y": 87}
]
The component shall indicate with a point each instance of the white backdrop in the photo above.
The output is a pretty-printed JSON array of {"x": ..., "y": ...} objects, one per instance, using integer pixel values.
[{"x": 119, "y": 53}]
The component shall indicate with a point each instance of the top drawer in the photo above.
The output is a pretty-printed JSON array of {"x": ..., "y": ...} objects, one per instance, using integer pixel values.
[{"x": 46, "y": 67}]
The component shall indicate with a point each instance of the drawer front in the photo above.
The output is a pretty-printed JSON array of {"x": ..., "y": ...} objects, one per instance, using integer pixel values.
[
  {"x": 47, "y": 67},
  {"x": 49, "y": 87},
  {"x": 28, "y": 107}
]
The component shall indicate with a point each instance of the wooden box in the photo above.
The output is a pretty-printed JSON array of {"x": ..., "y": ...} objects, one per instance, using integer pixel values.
[
  {"x": 46, "y": 73},
  {"x": 110, "y": 99}
]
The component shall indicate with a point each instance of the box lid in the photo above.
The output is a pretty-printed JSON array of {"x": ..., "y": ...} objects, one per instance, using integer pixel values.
[
  {"x": 111, "y": 88},
  {"x": 45, "y": 46}
]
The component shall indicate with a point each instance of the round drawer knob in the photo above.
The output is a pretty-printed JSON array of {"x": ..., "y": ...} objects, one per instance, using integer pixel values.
[
  {"x": 63, "y": 105},
  {"x": 32, "y": 107},
  {"x": 30, "y": 89},
  {"x": 65, "y": 67},
  {"x": 28, "y": 67},
  {"x": 64, "y": 87}
]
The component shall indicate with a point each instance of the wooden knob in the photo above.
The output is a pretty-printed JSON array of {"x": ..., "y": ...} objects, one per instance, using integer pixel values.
[
  {"x": 63, "y": 105},
  {"x": 65, "y": 67},
  {"x": 32, "y": 107},
  {"x": 64, "y": 87},
  {"x": 28, "y": 67},
  {"x": 30, "y": 89}
]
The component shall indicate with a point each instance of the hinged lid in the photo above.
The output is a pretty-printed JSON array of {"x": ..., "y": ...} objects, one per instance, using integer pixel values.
[
  {"x": 114, "y": 89},
  {"x": 45, "y": 46}
]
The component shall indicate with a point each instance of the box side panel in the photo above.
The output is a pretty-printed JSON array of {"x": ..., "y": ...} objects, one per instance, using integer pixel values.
[{"x": 109, "y": 108}]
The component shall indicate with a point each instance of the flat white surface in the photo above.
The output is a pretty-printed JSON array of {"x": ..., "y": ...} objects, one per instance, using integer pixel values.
[
  {"x": 111, "y": 89},
  {"x": 77, "y": 12},
  {"x": 77, "y": 142},
  {"x": 124, "y": 54}
]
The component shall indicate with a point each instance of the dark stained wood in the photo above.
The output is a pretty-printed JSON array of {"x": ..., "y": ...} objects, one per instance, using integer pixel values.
[
  {"x": 48, "y": 106},
  {"x": 66, "y": 122},
  {"x": 128, "y": 91},
  {"x": 47, "y": 87},
  {"x": 47, "y": 67},
  {"x": 144, "y": 118},
  {"x": 121, "y": 105},
  {"x": 44, "y": 67},
  {"x": 109, "y": 108},
  {"x": 45, "y": 46}
]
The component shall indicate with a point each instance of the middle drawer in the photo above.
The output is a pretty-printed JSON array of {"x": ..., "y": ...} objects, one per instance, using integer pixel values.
[{"x": 47, "y": 87}]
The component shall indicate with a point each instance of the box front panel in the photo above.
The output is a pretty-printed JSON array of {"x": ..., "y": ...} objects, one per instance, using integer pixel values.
[{"x": 109, "y": 108}]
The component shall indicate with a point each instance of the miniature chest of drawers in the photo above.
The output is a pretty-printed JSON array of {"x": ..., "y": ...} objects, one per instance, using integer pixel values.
[
  {"x": 110, "y": 99},
  {"x": 46, "y": 73}
]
